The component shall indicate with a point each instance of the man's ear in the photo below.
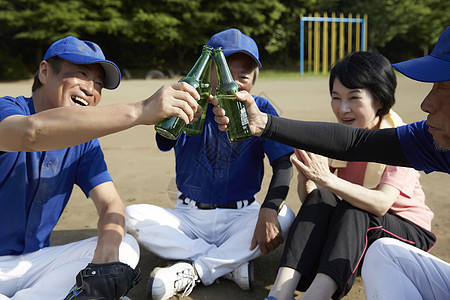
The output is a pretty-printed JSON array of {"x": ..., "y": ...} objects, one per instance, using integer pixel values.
[{"x": 44, "y": 70}]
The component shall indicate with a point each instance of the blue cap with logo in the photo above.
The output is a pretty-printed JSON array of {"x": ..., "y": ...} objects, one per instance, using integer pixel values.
[
  {"x": 233, "y": 41},
  {"x": 431, "y": 68},
  {"x": 85, "y": 52}
]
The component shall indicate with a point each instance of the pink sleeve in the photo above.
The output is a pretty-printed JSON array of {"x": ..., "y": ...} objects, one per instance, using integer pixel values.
[
  {"x": 410, "y": 204},
  {"x": 403, "y": 179}
]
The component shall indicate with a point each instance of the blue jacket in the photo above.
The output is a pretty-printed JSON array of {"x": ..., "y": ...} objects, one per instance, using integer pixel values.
[
  {"x": 36, "y": 186},
  {"x": 210, "y": 169}
]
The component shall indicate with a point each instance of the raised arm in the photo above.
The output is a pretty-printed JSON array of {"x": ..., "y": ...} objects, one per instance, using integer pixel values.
[
  {"x": 64, "y": 127},
  {"x": 329, "y": 139},
  {"x": 338, "y": 141}
]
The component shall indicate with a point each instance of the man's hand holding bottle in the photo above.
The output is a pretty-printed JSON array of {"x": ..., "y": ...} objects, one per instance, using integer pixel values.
[{"x": 257, "y": 119}]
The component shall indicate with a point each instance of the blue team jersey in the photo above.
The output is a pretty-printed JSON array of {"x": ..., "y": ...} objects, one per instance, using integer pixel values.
[
  {"x": 35, "y": 186},
  {"x": 210, "y": 169},
  {"x": 418, "y": 145}
]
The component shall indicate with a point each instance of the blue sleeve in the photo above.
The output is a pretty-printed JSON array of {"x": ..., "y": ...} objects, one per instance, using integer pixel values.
[
  {"x": 12, "y": 106},
  {"x": 92, "y": 169},
  {"x": 418, "y": 145}
]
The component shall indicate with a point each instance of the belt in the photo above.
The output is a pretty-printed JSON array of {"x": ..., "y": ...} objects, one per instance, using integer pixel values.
[{"x": 235, "y": 205}]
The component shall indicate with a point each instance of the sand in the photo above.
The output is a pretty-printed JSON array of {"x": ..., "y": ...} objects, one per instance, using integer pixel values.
[{"x": 143, "y": 174}]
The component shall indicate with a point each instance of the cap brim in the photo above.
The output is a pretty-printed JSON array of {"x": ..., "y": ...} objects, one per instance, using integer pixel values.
[
  {"x": 229, "y": 52},
  {"x": 112, "y": 72},
  {"x": 426, "y": 69},
  {"x": 112, "y": 75}
]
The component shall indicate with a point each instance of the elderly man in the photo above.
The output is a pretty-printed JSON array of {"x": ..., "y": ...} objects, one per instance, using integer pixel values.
[
  {"x": 391, "y": 270},
  {"x": 47, "y": 144}
]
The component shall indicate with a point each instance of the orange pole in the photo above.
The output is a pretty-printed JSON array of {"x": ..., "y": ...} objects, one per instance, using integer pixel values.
[
  {"x": 333, "y": 40},
  {"x": 316, "y": 44},
  {"x": 349, "y": 35},
  {"x": 325, "y": 46},
  {"x": 365, "y": 33},
  {"x": 358, "y": 34},
  {"x": 341, "y": 36},
  {"x": 310, "y": 54}
]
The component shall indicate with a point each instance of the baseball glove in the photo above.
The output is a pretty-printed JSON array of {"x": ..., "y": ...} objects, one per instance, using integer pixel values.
[{"x": 108, "y": 281}]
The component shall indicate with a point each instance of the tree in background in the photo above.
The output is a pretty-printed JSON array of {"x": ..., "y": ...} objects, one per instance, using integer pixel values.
[
  {"x": 44, "y": 22},
  {"x": 142, "y": 34},
  {"x": 399, "y": 29},
  {"x": 34, "y": 25},
  {"x": 169, "y": 28},
  {"x": 262, "y": 20},
  {"x": 178, "y": 28}
]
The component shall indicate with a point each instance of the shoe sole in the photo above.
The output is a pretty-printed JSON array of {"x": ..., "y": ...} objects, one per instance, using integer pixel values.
[{"x": 251, "y": 273}]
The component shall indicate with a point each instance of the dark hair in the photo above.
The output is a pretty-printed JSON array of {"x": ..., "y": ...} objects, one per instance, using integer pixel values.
[
  {"x": 367, "y": 70},
  {"x": 56, "y": 66}
]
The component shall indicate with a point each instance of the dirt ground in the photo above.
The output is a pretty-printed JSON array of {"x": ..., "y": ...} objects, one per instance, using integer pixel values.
[{"x": 143, "y": 174}]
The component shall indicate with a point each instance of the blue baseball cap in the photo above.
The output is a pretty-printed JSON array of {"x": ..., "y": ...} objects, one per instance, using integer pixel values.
[
  {"x": 233, "y": 41},
  {"x": 85, "y": 52},
  {"x": 431, "y": 68}
]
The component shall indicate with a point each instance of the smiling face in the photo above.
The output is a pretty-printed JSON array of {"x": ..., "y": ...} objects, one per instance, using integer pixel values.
[
  {"x": 437, "y": 105},
  {"x": 355, "y": 107},
  {"x": 73, "y": 85}
]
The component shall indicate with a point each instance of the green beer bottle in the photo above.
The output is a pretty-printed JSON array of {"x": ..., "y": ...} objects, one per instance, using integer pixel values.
[
  {"x": 195, "y": 128},
  {"x": 237, "y": 128},
  {"x": 171, "y": 127}
]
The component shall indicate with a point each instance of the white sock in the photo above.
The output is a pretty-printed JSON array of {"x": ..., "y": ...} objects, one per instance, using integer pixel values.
[{"x": 285, "y": 283}]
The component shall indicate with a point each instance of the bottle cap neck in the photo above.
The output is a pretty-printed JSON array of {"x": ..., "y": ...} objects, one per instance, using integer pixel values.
[
  {"x": 202, "y": 62},
  {"x": 223, "y": 72}
]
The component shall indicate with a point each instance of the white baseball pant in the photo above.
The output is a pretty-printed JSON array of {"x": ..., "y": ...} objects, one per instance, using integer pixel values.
[
  {"x": 216, "y": 240},
  {"x": 49, "y": 273},
  {"x": 395, "y": 270}
]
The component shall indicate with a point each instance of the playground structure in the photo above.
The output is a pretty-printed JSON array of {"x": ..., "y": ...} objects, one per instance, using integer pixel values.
[{"x": 318, "y": 49}]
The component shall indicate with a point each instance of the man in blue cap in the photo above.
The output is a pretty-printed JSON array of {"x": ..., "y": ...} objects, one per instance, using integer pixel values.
[
  {"x": 48, "y": 143},
  {"x": 217, "y": 227},
  {"x": 395, "y": 270},
  {"x": 391, "y": 269}
]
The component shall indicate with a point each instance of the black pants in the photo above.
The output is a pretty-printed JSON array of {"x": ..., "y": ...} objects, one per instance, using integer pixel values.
[{"x": 330, "y": 236}]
